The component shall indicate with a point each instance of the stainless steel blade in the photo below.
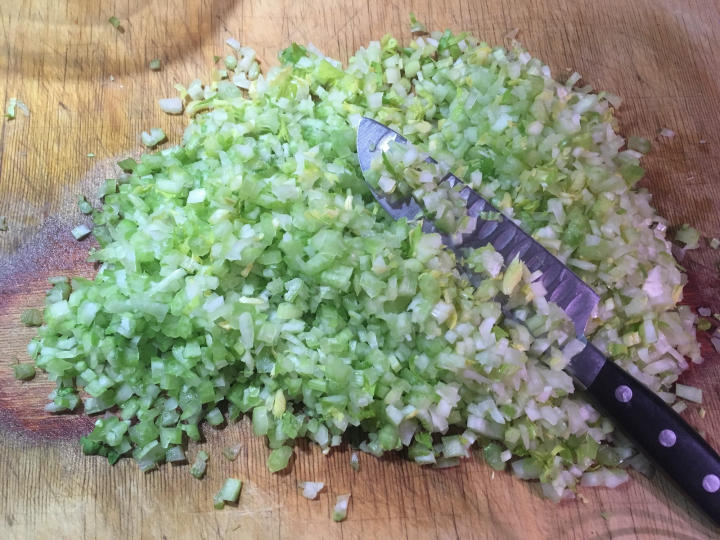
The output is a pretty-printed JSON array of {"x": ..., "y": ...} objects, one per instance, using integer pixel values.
[{"x": 563, "y": 287}]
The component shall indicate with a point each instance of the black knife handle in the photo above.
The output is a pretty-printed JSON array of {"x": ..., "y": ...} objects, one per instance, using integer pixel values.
[{"x": 662, "y": 434}]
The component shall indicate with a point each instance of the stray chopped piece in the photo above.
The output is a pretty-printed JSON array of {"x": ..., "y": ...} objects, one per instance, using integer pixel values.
[
  {"x": 715, "y": 340},
  {"x": 279, "y": 458},
  {"x": 704, "y": 311},
  {"x": 666, "y": 132},
  {"x": 31, "y": 317},
  {"x": 310, "y": 490},
  {"x": 153, "y": 138},
  {"x": 231, "y": 452},
  {"x": 230, "y": 61},
  {"x": 84, "y": 206},
  {"x": 639, "y": 144},
  {"x": 341, "y": 506},
  {"x": 233, "y": 44},
  {"x": 689, "y": 393},
  {"x": 3, "y": 223},
  {"x": 23, "y": 372},
  {"x": 116, "y": 24},
  {"x": 81, "y": 231},
  {"x": 229, "y": 492},
  {"x": 354, "y": 461},
  {"x": 127, "y": 164},
  {"x": 12, "y": 104},
  {"x": 155, "y": 64},
  {"x": 415, "y": 26},
  {"x": 171, "y": 105},
  {"x": 199, "y": 465},
  {"x": 714, "y": 243},
  {"x": 688, "y": 236},
  {"x": 511, "y": 34},
  {"x": 703, "y": 324},
  {"x": 679, "y": 406}
]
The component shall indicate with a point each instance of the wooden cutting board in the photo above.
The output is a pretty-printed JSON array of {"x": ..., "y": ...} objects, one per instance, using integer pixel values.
[{"x": 90, "y": 91}]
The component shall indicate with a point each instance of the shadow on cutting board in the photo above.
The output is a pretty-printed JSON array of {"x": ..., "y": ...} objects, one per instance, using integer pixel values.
[{"x": 79, "y": 29}]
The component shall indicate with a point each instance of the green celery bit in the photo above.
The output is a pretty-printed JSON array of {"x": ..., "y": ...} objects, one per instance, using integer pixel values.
[
  {"x": 31, "y": 317},
  {"x": 230, "y": 490},
  {"x": 23, "y": 372}
]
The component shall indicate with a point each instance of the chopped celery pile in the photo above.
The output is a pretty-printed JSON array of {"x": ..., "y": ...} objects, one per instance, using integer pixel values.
[{"x": 250, "y": 271}]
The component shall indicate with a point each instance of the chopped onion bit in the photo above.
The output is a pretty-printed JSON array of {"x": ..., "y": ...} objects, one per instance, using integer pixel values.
[
  {"x": 153, "y": 138},
  {"x": 233, "y": 44},
  {"x": 310, "y": 490},
  {"x": 689, "y": 393},
  {"x": 171, "y": 105},
  {"x": 14, "y": 103},
  {"x": 704, "y": 311}
]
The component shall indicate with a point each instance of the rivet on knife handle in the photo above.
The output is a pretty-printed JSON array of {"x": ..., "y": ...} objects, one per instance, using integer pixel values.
[{"x": 661, "y": 433}]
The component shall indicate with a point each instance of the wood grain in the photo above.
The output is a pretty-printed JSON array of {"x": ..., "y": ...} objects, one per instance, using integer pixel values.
[{"x": 90, "y": 91}]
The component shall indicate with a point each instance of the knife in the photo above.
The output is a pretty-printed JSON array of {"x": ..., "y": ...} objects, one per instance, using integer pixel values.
[{"x": 654, "y": 426}]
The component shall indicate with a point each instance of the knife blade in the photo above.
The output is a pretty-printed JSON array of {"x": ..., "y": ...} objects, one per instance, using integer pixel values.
[
  {"x": 563, "y": 286},
  {"x": 670, "y": 441}
]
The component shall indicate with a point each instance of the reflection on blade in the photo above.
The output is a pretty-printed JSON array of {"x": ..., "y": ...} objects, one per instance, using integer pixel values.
[{"x": 563, "y": 287}]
